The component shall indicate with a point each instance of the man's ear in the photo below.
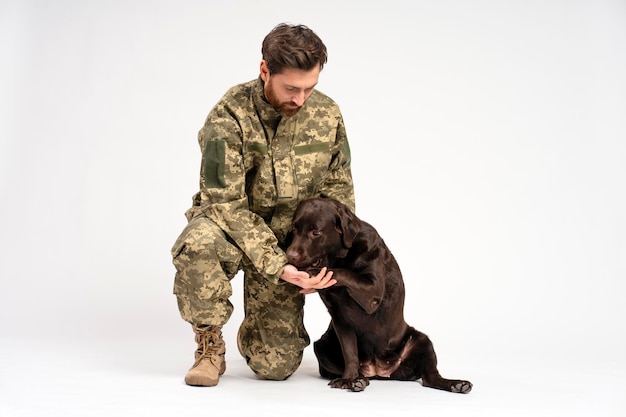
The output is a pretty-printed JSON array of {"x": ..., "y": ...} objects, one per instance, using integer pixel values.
[{"x": 265, "y": 72}]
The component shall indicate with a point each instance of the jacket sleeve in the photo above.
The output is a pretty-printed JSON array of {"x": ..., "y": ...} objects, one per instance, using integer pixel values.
[
  {"x": 223, "y": 193},
  {"x": 338, "y": 182}
]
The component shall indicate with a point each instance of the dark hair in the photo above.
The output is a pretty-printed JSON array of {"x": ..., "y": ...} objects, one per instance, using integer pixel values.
[{"x": 293, "y": 46}]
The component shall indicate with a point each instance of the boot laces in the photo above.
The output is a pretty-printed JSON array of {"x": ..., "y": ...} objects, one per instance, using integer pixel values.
[{"x": 209, "y": 344}]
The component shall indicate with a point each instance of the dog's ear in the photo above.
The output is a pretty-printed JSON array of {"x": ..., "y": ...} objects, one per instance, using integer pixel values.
[{"x": 347, "y": 225}]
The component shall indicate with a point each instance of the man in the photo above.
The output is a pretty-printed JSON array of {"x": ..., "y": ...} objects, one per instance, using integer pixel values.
[{"x": 266, "y": 145}]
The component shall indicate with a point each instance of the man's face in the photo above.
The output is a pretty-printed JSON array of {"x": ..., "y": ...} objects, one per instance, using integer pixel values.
[{"x": 288, "y": 91}]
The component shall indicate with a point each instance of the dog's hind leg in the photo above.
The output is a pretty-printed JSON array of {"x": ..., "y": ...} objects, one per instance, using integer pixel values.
[
  {"x": 421, "y": 362},
  {"x": 434, "y": 380}
]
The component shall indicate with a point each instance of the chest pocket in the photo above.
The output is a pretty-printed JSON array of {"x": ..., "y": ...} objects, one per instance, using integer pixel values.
[{"x": 311, "y": 165}]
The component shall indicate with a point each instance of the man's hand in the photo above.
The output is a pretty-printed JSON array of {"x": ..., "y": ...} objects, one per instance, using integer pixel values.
[{"x": 309, "y": 284}]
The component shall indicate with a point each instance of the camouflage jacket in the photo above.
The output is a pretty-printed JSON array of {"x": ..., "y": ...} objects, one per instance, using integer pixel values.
[{"x": 257, "y": 166}]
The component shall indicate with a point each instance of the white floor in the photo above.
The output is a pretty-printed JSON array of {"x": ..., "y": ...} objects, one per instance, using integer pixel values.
[
  {"x": 496, "y": 178},
  {"x": 145, "y": 377}
]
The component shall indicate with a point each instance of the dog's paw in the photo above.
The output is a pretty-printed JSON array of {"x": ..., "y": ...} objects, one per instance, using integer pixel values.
[
  {"x": 357, "y": 384},
  {"x": 462, "y": 387}
]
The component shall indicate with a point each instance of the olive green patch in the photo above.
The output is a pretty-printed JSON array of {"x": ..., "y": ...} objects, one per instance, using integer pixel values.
[
  {"x": 257, "y": 147},
  {"x": 311, "y": 148},
  {"x": 346, "y": 153},
  {"x": 214, "y": 160}
]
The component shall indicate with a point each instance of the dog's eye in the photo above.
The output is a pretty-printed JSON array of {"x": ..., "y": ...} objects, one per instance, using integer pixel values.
[{"x": 316, "y": 233}]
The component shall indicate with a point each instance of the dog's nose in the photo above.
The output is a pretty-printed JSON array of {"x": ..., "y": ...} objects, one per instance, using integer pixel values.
[{"x": 292, "y": 256}]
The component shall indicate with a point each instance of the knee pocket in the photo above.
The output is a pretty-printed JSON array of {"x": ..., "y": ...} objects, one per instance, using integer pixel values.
[
  {"x": 201, "y": 240},
  {"x": 205, "y": 262}
]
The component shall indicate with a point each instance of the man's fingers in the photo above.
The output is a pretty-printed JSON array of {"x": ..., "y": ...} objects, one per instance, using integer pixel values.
[
  {"x": 323, "y": 272},
  {"x": 327, "y": 278},
  {"x": 325, "y": 281},
  {"x": 330, "y": 283}
]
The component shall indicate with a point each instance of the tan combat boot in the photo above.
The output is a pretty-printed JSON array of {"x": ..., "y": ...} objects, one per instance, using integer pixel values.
[{"x": 210, "y": 362}]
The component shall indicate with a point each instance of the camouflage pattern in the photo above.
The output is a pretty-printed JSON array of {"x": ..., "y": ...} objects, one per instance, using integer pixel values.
[
  {"x": 272, "y": 336},
  {"x": 256, "y": 167},
  {"x": 205, "y": 263}
]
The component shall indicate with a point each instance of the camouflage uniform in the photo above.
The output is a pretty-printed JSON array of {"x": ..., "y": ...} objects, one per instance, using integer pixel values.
[{"x": 256, "y": 167}]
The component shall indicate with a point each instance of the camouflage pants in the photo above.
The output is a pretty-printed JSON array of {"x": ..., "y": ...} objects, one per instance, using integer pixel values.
[{"x": 272, "y": 337}]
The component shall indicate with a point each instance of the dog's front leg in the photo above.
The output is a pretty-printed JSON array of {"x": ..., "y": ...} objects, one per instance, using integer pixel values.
[
  {"x": 367, "y": 289},
  {"x": 351, "y": 378}
]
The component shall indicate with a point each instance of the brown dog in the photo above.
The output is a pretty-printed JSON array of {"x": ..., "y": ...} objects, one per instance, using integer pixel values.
[{"x": 367, "y": 336}]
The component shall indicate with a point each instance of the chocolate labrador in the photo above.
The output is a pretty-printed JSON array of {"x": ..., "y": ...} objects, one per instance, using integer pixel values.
[{"x": 368, "y": 336}]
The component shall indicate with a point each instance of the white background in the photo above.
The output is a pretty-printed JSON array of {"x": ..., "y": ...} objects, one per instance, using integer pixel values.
[{"x": 488, "y": 143}]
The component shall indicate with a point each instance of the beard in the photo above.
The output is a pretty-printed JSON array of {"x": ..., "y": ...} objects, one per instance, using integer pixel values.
[{"x": 285, "y": 108}]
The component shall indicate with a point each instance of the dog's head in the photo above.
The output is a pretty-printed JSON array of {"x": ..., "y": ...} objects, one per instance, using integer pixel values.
[{"x": 322, "y": 230}]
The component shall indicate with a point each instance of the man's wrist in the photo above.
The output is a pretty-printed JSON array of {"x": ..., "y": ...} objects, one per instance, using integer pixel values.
[{"x": 278, "y": 277}]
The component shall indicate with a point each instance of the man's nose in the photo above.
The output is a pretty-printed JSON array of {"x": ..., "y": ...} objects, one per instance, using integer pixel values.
[{"x": 298, "y": 99}]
